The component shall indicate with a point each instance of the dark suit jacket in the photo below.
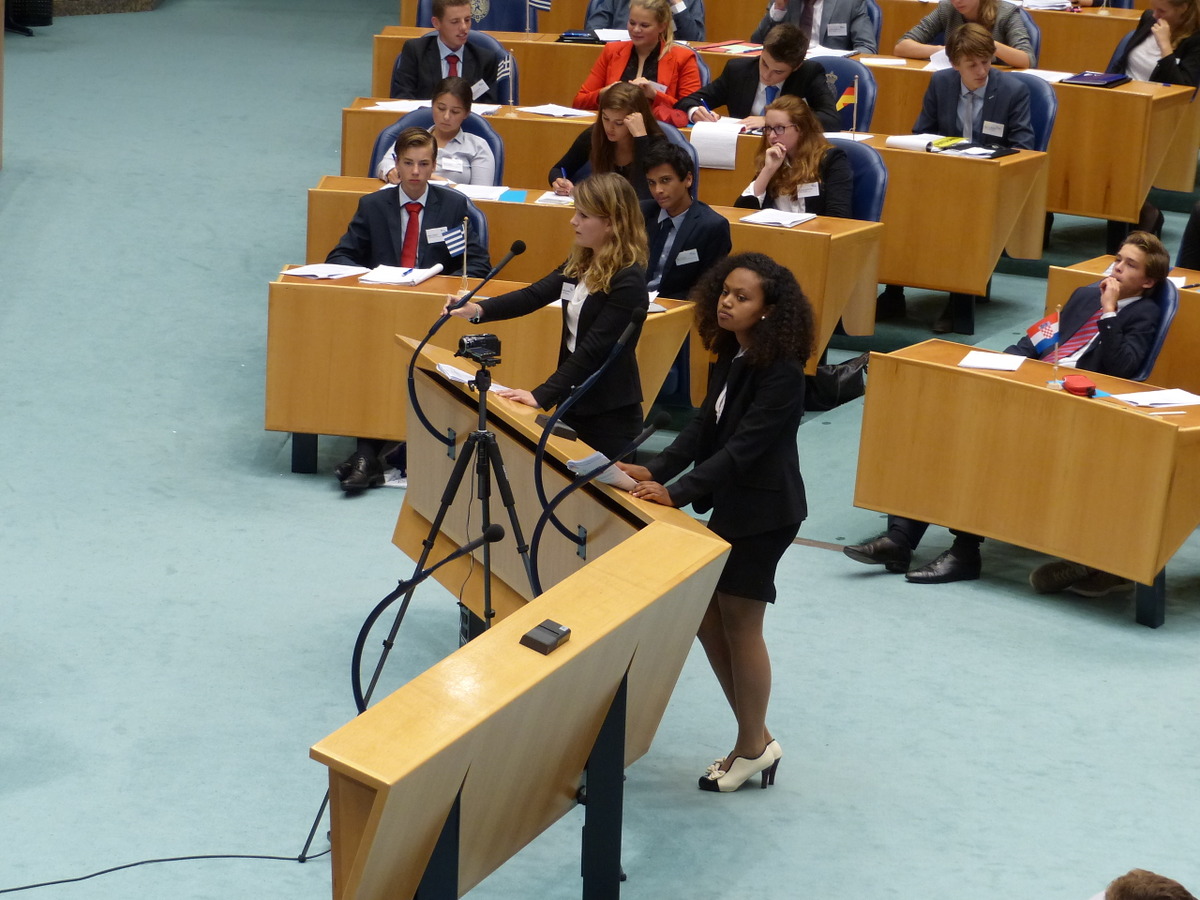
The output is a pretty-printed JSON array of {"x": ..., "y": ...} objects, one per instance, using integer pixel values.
[
  {"x": 860, "y": 33},
  {"x": 1124, "y": 339},
  {"x": 704, "y": 231},
  {"x": 373, "y": 238},
  {"x": 577, "y": 162},
  {"x": 837, "y": 188},
  {"x": 735, "y": 87},
  {"x": 602, "y": 318},
  {"x": 1181, "y": 67},
  {"x": 418, "y": 69},
  {"x": 1006, "y": 104},
  {"x": 747, "y": 466}
]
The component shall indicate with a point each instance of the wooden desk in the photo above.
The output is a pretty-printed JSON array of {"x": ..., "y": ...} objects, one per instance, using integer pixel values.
[
  {"x": 1002, "y": 455},
  {"x": 1176, "y": 364},
  {"x": 548, "y": 71},
  {"x": 1081, "y": 181},
  {"x": 333, "y": 367}
]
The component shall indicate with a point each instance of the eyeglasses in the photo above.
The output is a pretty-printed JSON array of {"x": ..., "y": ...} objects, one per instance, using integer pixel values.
[{"x": 778, "y": 130}]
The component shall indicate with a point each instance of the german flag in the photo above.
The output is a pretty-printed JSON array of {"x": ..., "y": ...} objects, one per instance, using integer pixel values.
[{"x": 848, "y": 97}]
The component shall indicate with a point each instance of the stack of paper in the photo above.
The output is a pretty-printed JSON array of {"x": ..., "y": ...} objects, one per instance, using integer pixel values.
[
  {"x": 849, "y": 135},
  {"x": 817, "y": 50},
  {"x": 608, "y": 35},
  {"x": 882, "y": 61},
  {"x": 481, "y": 191},
  {"x": 453, "y": 373},
  {"x": 938, "y": 61},
  {"x": 555, "y": 199},
  {"x": 777, "y": 217},
  {"x": 553, "y": 109},
  {"x": 1049, "y": 75},
  {"x": 326, "y": 270},
  {"x": 911, "y": 141},
  {"x": 983, "y": 359},
  {"x": 1169, "y": 397},
  {"x": 612, "y": 475},
  {"x": 716, "y": 142},
  {"x": 401, "y": 105},
  {"x": 1047, "y": 4},
  {"x": 399, "y": 275}
]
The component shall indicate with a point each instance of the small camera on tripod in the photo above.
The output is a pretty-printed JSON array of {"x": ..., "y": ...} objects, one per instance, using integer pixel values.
[{"x": 483, "y": 349}]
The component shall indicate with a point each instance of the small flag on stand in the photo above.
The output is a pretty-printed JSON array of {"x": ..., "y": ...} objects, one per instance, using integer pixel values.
[
  {"x": 543, "y": 5},
  {"x": 1044, "y": 334},
  {"x": 849, "y": 96},
  {"x": 456, "y": 240}
]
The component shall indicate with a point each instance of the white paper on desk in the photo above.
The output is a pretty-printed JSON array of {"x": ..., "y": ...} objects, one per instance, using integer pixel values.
[
  {"x": 883, "y": 60},
  {"x": 481, "y": 191},
  {"x": 401, "y": 105},
  {"x": 554, "y": 109},
  {"x": 326, "y": 270},
  {"x": 485, "y": 109},
  {"x": 1177, "y": 280},
  {"x": 982, "y": 359},
  {"x": 612, "y": 475},
  {"x": 938, "y": 61},
  {"x": 777, "y": 217},
  {"x": 849, "y": 135},
  {"x": 817, "y": 50},
  {"x": 1169, "y": 397},
  {"x": 608, "y": 35},
  {"x": 716, "y": 142},
  {"x": 399, "y": 275},
  {"x": 553, "y": 199},
  {"x": 1047, "y": 4},
  {"x": 911, "y": 141},
  {"x": 454, "y": 373},
  {"x": 1050, "y": 75}
]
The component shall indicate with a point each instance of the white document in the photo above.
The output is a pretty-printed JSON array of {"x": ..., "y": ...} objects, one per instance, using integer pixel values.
[
  {"x": 982, "y": 359},
  {"x": 849, "y": 135},
  {"x": 401, "y": 105},
  {"x": 778, "y": 217},
  {"x": 1177, "y": 280},
  {"x": 399, "y": 275},
  {"x": 939, "y": 60},
  {"x": 1170, "y": 397},
  {"x": 554, "y": 199},
  {"x": 1049, "y": 75},
  {"x": 612, "y": 475},
  {"x": 559, "y": 112},
  {"x": 453, "y": 373},
  {"x": 485, "y": 109},
  {"x": 817, "y": 50},
  {"x": 655, "y": 307},
  {"x": 481, "y": 191},
  {"x": 326, "y": 270},
  {"x": 884, "y": 60},
  {"x": 608, "y": 35},
  {"x": 911, "y": 141},
  {"x": 1047, "y": 4},
  {"x": 716, "y": 142}
]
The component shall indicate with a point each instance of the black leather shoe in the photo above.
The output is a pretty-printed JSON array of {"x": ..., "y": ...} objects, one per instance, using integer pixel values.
[
  {"x": 890, "y": 303},
  {"x": 946, "y": 568},
  {"x": 342, "y": 469},
  {"x": 365, "y": 472},
  {"x": 882, "y": 551}
]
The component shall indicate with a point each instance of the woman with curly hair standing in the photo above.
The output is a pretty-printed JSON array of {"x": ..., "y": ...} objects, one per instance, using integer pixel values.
[{"x": 753, "y": 314}]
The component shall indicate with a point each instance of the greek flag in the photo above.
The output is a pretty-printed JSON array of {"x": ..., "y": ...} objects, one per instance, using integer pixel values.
[
  {"x": 456, "y": 240},
  {"x": 543, "y": 5},
  {"x": 505, "y": 68}
]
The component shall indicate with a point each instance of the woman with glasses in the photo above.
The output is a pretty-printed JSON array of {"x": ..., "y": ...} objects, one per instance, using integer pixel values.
[{"x": 798, "y": 170}]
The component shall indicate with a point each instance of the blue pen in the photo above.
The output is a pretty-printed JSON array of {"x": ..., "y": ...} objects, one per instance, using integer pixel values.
[{"x": 564, "y": 173}]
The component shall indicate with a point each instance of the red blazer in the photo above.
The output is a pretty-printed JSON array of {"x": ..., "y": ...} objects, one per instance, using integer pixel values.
[{"x": 676, "y": 69}]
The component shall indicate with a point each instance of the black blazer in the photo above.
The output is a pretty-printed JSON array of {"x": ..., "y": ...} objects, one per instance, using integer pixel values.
[
  {"x": 736, "y": 86},
  {"x": 704, "y": 231},
  {"x": 747, "y": 465},
  {"x": 602, "y": 318},
  {"x": 418, "y": 69},
  {"x": 373, "y": 238},
  {"x": 837, "y": 188},
  {"x": 577, "y": 162},
  {"x": 1124, "y": 340},
  {"x": 1181, "y": 67}
]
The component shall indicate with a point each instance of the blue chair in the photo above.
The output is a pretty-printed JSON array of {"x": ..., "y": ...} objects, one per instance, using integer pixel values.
[
  {"x": 870, "y": 179},
  {"x": 1035, "y": 34},
  {"x": 423, "y": 118},
  {"x": 508, "y": 87},
  {"x": 841, "y": 71},
  {"x": 1043, "y": 108},
  {"x": 875, "y": 14},
  {"x": 506, "y": 16},
  {"x": 705, "y": 72},
  {"x": 1166, "y": 295},
  {"x": 1119, "y": 52},
  {"x": 675, "y": 136}
]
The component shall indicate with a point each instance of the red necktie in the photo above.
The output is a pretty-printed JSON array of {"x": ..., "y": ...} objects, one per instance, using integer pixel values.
[
  {"x": 1079, "y": 339},
  {"x": 412, "y": 231},
  {"x": 452, "y": 65}
]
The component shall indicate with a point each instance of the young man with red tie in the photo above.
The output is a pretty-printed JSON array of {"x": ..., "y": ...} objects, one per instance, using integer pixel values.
[{"x": 446, "y": 53}]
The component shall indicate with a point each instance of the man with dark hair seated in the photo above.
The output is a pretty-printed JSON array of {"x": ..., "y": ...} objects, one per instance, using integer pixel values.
[
  {"x": 1107, "y": 327},
  {"x": 425, "y": 61},
  {"x": 748, "y": 86}
]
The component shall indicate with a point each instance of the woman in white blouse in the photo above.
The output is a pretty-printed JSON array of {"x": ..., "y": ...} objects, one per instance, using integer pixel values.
[{"x": 462, "y": 157}]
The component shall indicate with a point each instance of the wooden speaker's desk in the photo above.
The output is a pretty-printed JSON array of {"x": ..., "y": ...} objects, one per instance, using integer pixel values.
[
  {"x": 1177, "y": 365},
  {"x": 1002, "y": 455},
  {"x": 548, "y": 71},
  {"x": 333, "y": 367},
  {"x": 1085, "y": 177}
]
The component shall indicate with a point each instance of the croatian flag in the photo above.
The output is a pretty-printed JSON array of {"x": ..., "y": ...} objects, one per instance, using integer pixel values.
[
  {"x": 1043, "y": 334},
  {"x": 456, "y": 240}
]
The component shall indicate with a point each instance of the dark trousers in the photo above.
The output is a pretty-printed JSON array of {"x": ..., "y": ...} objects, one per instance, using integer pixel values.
[{"x": 909, "y": 532}]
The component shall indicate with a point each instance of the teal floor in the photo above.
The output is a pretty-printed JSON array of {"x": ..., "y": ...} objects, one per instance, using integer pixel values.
[{"x": 177, "y": 609}]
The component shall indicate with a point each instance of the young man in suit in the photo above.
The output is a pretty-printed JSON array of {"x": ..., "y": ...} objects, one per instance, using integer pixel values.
[
  {"x": 425, "y": 61},
  {"x": 747, "y": 86},
  {"x": 839, "y": 24},
  {"x": 686, "y": 236},
  {"x": 1107, "y": 328},
  {"x": 406, "y": 226},
  {"x": 689, "y": 20}
]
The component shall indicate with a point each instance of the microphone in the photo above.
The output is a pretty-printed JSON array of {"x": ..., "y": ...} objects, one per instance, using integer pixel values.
[
  {"x": 635, "y": 322},
  {"x": 492, "y": 534},
  {"x": 517, "y": 248},
  {"x": 661, "y": 420}
]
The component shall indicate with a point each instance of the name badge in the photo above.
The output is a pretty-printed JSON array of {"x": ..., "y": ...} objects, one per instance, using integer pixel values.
[
  {"x": 809, "y": 190},
  {"x": 568, "y": 290},
  {"x": 450, "y": 163},
  {"x": 679, "y": 7},
  {"x": 836, "y": 29},
  {"x": 435, "y": 235},
  {"x": 995, "y": 129},
  {"x": 478, "y": 89},
  {"x": 687, "y": 256}
]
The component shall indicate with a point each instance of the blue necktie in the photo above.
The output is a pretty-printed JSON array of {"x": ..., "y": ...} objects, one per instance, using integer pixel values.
[{"x": 772, "y": 93}]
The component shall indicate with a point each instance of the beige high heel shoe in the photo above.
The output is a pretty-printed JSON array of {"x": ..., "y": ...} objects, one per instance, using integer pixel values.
[{"x": 741, "y": 771}]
